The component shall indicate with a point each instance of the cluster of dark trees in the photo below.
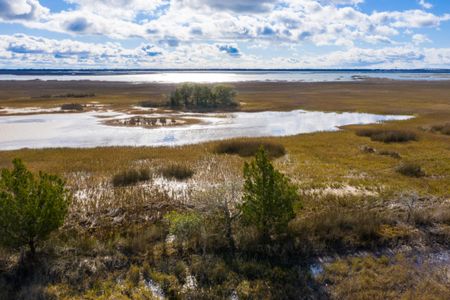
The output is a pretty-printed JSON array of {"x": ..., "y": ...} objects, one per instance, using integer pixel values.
[{"x": 203, "y": 96}]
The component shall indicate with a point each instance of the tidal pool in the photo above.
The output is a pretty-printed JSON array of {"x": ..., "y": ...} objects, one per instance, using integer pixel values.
[{"x": 87, "y": 130}]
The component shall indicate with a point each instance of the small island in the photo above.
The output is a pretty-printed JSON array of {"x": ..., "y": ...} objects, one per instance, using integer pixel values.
[
  {"x": 153, "y": 122},
  {"x": 203, "y": 97},
  {"x": 199, "y": 98}
]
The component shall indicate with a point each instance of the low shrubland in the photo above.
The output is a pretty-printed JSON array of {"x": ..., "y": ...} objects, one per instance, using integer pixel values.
[
  {"x": 388, "y": 136},
  {"x": 177, "y": 171},
  {"x": 411, "y": 170},
  {"x": 76, "y": 95},
  {"x": 138, "y": 242},
  {"x": 390, "y": 153},
  {"x": 385, "y": 277},
  {"x": 249, "y": 148},
  {"x": 150, "y": 104},
  {"x": 131, "y": 177},
  {"x": 72, "y": 106},
  {"x": 442, "y": 128}
]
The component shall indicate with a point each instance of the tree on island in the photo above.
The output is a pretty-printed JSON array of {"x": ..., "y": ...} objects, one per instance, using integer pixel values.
[
  {"x": 31, "y": 207},
  {"x": 268, "y": 197},
  {"x": 203, "y": 96}
]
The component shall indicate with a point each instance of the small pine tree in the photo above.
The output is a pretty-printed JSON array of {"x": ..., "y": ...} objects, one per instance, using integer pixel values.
[
  {"x": 268, "y": 197},
  {"x": 31, "y": 207}
]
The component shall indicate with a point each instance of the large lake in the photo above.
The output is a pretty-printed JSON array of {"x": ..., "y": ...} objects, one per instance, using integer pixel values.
[
  {"x": 220, "y": 76},
  {"x": 88, "y": 130}
]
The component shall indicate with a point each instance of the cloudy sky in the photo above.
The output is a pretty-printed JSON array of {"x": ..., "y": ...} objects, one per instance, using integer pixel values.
[{"x": 225, "y": 34}]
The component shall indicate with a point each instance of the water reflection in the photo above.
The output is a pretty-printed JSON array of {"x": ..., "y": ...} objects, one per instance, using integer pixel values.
[
  {"x": 233, "y": 76},
  {"x": 87, "y": 130}
]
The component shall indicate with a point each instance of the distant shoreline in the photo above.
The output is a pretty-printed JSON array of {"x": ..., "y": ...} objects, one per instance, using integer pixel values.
[
  {"x": 173, "y": 76},
  {"x": 138, "y": 70}
]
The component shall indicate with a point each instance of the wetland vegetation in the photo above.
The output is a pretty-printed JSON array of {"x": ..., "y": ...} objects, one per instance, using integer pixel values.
[
  {"x": 197, "y": 96},
  {"x": 320, "y": 215}
]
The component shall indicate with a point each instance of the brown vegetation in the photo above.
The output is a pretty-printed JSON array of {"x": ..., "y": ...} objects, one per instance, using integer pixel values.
[
  {"x": 411, "y": 170},
  {"x": 72, "y": 106},
  {"x": 130, "y": 177},
  {"x": 387, "y": 136},
  {"x": 246, "y": 148},
  {"x": 177, "y": 171}
]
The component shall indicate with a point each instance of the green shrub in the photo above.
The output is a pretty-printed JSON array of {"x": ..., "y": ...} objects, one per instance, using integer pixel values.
[
  {"x": 184, "y": 226},
  {"x": 136, "y": 240},
  {"x": 31, "y": 207},
  {"x": 392, "y": 154},
  {"x": 268, "y": 198},
  {"x": 444, "y": 129},
  {"x": 149, "y": 104},
  {"x": 72, "y": 106},
  {"x": 388, "y": 136},
  {"x": 130, "y": 177},
  {"x": 134, "y": 275},
  {"x": 411, "y": 170},
  {"x": 76, "y": 95},
  {"x": 209, "y": 270},
  {"x": 177, "y": 171},
  {"x": 250, "y": 148},
  {"x": 180, "y": 271}
]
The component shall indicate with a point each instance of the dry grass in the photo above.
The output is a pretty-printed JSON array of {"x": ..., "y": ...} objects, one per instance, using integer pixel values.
[
  {"x": 443, "y": 128},
  {"x": 385, "y": 278}
]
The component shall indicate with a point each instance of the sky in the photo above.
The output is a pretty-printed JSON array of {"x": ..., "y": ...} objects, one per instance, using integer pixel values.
[{"x": 388, "y": 34}]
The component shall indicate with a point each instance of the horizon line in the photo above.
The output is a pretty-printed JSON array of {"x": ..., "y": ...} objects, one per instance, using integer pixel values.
[{"x": 6, "y": 70}]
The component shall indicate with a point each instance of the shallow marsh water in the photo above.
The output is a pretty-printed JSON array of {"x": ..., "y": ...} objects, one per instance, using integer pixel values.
[{"x": 85, "y": 130}]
